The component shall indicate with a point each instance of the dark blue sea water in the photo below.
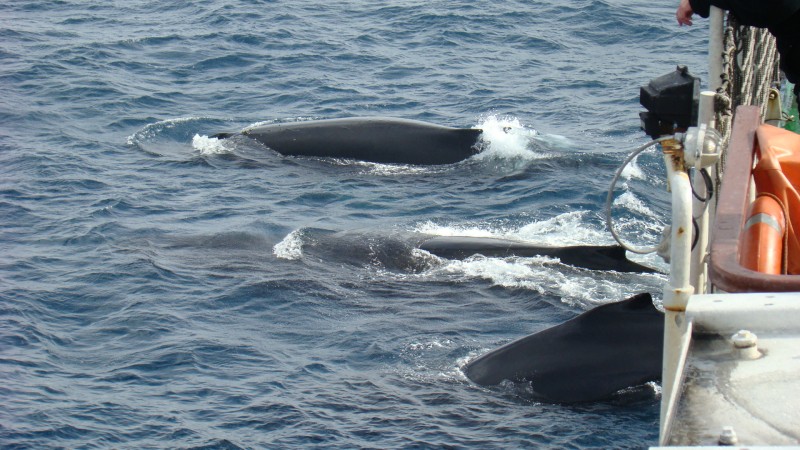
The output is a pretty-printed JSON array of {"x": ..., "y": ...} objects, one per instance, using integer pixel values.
[{"x": 161, "y": 289}]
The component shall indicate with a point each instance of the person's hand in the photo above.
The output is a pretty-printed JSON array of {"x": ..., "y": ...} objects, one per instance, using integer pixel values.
[{"x": 684, "y": 13}]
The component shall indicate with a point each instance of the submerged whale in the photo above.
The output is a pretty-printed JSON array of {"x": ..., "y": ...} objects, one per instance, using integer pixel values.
[
  {"x": 587, "y": 358},
  {"x": 594, "y": 257},
  {"x": 372, "y": 139},
  {"x": 395, "y": 250}
]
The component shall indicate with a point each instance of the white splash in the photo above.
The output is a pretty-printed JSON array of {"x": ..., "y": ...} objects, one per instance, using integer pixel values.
[
  {"x": 630, "y": 201},
  {"x": 569, "y": 228},
  {"x": 539, "y": 274},
  {"x": 209, "y": 145},
  {"x": 506, "y": 272},
  {"x": 291, "y": 247},
  {"x": 657, "y": 390},
  {"x": 633, "y": 171},
  {"x": 453, "y": 230},
  {"x": 507, "y": 137}
]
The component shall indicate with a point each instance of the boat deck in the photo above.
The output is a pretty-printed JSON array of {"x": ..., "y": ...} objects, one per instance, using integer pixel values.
[{"x": 754, "y": 391}]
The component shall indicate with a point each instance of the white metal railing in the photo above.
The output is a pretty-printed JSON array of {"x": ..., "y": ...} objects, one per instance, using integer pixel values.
[{"x": 698, "y": 149}]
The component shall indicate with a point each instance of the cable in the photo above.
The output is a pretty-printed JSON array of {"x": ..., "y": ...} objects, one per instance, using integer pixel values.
[
  {"x": 709, "y": 185},
  {"x": 610, "y": 197}
]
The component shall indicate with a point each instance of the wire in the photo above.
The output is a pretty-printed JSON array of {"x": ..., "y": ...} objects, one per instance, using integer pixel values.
[
  {"x": 610, "y": 197},
  {"x": 709, "y": 186}
]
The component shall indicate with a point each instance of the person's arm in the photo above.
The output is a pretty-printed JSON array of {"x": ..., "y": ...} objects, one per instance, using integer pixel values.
[
  {"x": 762, "y": 13},
  {"x": 700, "y": 7},
  {"x": 684, "y": 13}
]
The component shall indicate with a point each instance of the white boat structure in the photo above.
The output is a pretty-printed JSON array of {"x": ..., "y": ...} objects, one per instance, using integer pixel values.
[
  {"x": 731, "y": 367},
  {"x": 732, "y": 344}
]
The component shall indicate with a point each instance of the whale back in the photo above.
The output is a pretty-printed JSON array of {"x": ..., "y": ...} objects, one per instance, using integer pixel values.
[
  {"x": 587, "y": 358},
  {"x": 594, "y": 257},
  {"x": 376, "y": 139}
]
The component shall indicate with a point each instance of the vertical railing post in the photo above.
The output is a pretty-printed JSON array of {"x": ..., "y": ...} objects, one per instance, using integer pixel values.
[
  {"x": 716, "y": 39},
  {"x": 677, "y": 291}
]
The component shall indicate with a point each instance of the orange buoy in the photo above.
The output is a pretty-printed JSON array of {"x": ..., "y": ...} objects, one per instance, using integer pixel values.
[
  {"x": 778, "y": 173},
  {"x": 762, "y": 236}
]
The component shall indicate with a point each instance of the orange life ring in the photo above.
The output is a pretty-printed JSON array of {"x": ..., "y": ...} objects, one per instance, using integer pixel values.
[
  {"x": 762, "y": 236},
  {"x": 778, "y": 174}
]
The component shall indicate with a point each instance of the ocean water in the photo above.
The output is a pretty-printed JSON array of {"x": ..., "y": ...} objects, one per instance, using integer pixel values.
[{"x": 163, "y": 289}]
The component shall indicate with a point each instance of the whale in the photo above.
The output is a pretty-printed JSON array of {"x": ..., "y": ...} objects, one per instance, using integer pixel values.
[
  {"x": 587, "y": 358},
  {"x": 592, "y": 257},
  {"x": 371, "y": 139},
  {"x": 395, "y": 250}
]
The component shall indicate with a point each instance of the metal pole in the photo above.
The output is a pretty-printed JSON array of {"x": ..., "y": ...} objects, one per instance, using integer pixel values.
[
  {"x": 715, "y": 47},
  {"x": 677, "y": 291}
]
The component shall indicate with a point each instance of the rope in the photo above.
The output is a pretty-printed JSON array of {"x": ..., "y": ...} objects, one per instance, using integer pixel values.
[{"x": 750, "y": 67}]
